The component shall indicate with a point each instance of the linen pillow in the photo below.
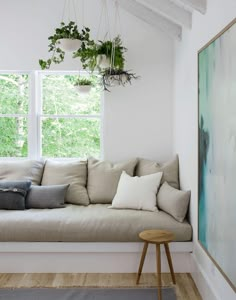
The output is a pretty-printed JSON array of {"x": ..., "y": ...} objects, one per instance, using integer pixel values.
[
  {"x": 72, "y": 172},
  {"x": 31, "y": 170},
  {"x": 13, "y": 193},
  {"x": 103, "y": 178},
  {"x": 173, "y": 201},
  {"x": 170, "y": 170},
  {"x": 137, "y": 192},
  {"x": 51, "y": 196}
]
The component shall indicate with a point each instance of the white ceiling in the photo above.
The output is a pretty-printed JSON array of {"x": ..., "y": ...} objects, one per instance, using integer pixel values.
[{"x": 168, "y": 15}]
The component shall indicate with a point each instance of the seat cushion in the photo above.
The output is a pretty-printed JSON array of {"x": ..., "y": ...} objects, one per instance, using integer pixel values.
[
  {"x": 93, "y": 223},
  {"x": 31, "y": 170},
  {"x": 170, "y": 170},
  {"x": 103, "y": 178},
  {"x": 72, "y": 172}
]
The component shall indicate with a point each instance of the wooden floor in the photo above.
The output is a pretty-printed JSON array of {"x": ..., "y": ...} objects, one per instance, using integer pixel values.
[{"x": 185, "y": 287}]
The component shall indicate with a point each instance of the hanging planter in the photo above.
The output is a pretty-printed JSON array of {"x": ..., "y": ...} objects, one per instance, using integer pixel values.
[
  {"x": 66, "y": 38},
  {"x": 102, "y": 55},
  {"x": 115, "y": 77},
  {"x": 103, "y": 62},
  {"x": 69, "y": 45},
  {"x": 84, "y": 85}
]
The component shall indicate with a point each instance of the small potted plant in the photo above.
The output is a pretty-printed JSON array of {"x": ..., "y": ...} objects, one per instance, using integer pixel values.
[
  {"x": 103, "y": 55},
  {"x": 111, "y": 53},
  {"x": 84, "y": 85},
  {"x": 66, "y": 38}
]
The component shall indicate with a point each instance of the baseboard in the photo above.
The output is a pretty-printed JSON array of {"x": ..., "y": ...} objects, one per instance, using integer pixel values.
[
  {"x": 202, "y": 281},
  {"x": 88, "y": 258}
]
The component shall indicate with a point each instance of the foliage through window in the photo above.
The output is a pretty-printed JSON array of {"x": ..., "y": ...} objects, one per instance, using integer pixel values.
[{"x": 56, "y": 121}]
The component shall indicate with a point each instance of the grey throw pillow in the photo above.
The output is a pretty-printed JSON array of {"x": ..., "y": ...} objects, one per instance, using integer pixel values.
[
  {"x": 72, "y": 172},
  {"x": 13, "y": 194},
  {"x": 170, "y": 170},
  {"x": 22, "y": 170},
  {"x": 173, "y": 201},
  {"x": 52, "y": 196},
  {"x": 103, "y": 178}
]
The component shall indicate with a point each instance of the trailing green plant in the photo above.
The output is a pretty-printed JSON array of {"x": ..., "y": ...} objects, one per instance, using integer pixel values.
[
  {"x": 112, "y": 49},
  {"x": 111, "y": 77},
  {"x": 69, "y": 31}
]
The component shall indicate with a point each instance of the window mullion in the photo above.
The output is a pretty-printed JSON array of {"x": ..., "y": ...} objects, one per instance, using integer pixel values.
[{"x": 32, "y": 120}]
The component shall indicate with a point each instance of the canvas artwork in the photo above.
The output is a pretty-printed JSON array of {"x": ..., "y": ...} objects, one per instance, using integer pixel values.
[{"x": 217, "y": 151}]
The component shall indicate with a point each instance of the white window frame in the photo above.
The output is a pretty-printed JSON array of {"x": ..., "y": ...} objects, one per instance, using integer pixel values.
[{"x": 35, "y": 114}]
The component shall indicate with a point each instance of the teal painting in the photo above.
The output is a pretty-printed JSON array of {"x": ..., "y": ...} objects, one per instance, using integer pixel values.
[{"x": 217, "y": 151}]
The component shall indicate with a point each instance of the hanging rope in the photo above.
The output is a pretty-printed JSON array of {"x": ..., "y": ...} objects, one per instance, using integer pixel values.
[
  {"x": 64, "y": 11},
  {"x": 83, "y": 11},
  {"x": 70, "y": 8},
  {"x": 117, "y": 16},
  {"x": 104, "y": 16}
]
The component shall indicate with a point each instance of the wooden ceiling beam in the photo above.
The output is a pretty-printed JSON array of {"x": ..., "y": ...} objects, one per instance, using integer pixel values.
[
  {"x": 151, "y": 17},
  {"x": 171, "y": 10}
]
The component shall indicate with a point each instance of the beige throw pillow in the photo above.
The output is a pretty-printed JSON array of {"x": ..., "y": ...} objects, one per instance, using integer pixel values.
[
  {"x": 22, "y": 170},
  {"x": 173, "y": 201},
  {"x": 69, "y": 172},
  {"x": 170, "y": 170},
  {"x": 103, "y": 178},
  {"x": 137, "y": 192}
]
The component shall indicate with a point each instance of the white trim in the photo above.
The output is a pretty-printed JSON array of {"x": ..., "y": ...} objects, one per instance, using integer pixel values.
[
  {"x": 202, "y": 281},
  {"x": 32, "y": 124},
  {"x": 88, "y": 257},
  {"x": 61, "y": 247},
  {"x": 70, "y": 116}
]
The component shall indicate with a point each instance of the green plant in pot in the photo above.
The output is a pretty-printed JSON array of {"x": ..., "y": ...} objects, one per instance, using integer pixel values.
[
  {"x": 66, "y": 38},
  {"x": 84, "y": 84},
  {"x": 102, "y": 55}
]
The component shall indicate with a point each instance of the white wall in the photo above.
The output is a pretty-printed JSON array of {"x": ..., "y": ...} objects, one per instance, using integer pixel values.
[
  {"x": 219, "y": 14},
  {"x": 138, "y": 118}
]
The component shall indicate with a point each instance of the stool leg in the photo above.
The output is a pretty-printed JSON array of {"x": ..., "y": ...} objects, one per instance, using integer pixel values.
[
  {"x": 158, "y": 255},
  {"x": 170, "y": 262},
  {"x": 142, "y": 261}
]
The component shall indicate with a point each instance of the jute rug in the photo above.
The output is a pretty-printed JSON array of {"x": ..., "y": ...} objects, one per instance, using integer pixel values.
[{"x": 86, "y": 294}]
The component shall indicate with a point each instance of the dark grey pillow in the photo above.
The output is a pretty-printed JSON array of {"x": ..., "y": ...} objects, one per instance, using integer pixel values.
[
  {"x": 50, "y": 196},
  {"x": 13, "y": 194}
]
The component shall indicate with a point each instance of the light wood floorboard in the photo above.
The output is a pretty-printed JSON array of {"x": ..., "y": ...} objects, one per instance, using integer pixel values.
[{"x": 185, "y": 287}]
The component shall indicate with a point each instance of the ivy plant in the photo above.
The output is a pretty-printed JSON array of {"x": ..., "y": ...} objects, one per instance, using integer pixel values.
[{"x": 69, "y": 31}]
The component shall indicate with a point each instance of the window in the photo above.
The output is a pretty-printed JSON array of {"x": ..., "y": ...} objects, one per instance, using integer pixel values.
[
  {"x": 43, "y": 115},
  {"x": 14, "y": 102}
]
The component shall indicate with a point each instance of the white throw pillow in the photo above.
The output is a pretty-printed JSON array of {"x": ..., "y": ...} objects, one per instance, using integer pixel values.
[{"x": 137, "y": 192}]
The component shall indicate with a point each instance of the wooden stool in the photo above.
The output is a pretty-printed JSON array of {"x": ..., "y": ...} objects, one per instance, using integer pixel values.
[{"x": 157, "y": 237}]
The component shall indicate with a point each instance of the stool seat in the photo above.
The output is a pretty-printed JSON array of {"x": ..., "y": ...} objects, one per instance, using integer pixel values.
[{"x": 157, "y": 237}]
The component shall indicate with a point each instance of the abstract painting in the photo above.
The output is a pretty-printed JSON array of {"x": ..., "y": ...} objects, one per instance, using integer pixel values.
[{"x": 217, "y": 151}]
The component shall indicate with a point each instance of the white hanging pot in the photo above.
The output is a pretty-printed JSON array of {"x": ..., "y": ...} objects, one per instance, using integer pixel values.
[
  {"x": 103, "y": 61},
  {"x": 69, "y": 45},
  {"x": 83, "y": 89}
]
